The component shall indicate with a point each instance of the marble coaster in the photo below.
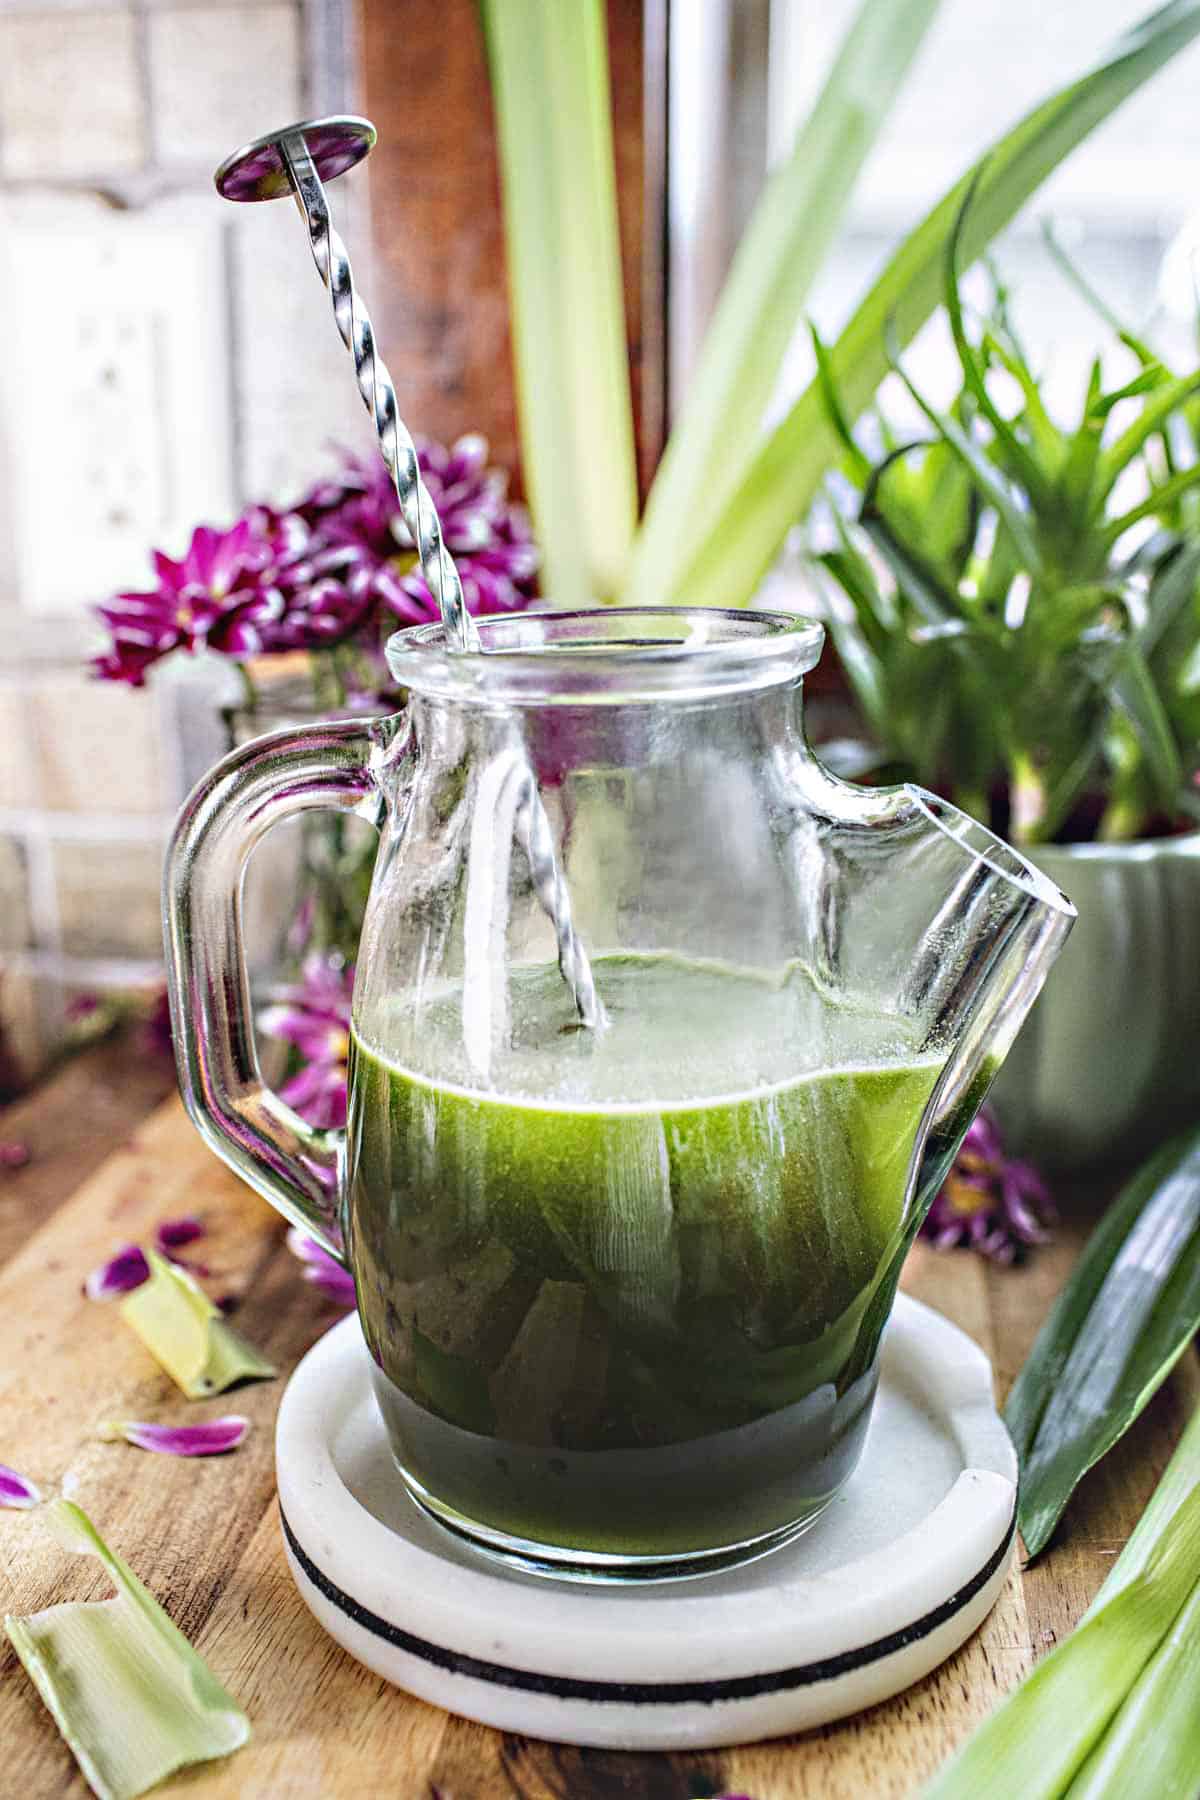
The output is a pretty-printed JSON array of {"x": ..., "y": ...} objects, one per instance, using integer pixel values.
[{"x": 900, "y": 1570}]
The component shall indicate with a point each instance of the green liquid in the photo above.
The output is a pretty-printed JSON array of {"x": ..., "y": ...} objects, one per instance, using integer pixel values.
[{"x": 625, "y": 1324}]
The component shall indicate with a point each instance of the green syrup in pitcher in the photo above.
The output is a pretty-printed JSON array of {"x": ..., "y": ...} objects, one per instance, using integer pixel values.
[{"x": 637, "y": 1314}]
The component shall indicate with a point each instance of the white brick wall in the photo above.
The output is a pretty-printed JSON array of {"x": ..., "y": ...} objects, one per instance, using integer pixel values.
[
  {"x": 112, "y": 117},
  {"x": 71, "y": 100},
  {"x": 220, "y": 75}
]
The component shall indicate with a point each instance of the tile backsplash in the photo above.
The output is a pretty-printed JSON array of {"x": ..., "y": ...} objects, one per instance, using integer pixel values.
[{"x": 164, "y": 360}]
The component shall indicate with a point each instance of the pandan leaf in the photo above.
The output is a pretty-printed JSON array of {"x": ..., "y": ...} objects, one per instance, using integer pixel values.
[
  {"x": 1125, "y": 1316},
  {"x": 1042, "y": 1736},
  {"x": 1157, "y": 502},
  {"x": 727, "y": 565},
  {"x": 1153, "y": 417},
  {"x": 1047, "y": 439},
  {"x": 1152, "y": 376},
  {"x": 130, "y": 1696},
  {"x": 1083, "y": 450},
  {"x": 1136, "y": 695},
  {"x": 1180, "y": 1477},
  {"x": 984, "y": 474},
  {"x": 858, "y": 464},
  {"x": 862, "y": 667},
  {"x": 186, "y": 1334},
  {"x": 1152, "y": 1745},
  {"x": 1024, "y": 465},
  {"x": 721, "y": 419},
  {"x": 911, "y": 573},
  {"x": 1173, "y": 588},
  {"x": 550, "y": 85}
]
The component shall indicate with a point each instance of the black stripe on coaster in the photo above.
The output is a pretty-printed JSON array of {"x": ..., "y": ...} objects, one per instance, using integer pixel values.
[{"x": 647, "y": 1693}]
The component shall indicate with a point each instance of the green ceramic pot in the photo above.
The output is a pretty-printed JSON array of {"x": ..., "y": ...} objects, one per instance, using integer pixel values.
[{"x": 1108, "y": 1061}]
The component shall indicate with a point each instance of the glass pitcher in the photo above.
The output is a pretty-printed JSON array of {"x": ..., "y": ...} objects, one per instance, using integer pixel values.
[{"x": 623, "y": 1263}]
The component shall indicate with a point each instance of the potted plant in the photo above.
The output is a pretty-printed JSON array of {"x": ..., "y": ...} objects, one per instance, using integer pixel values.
[{"x": 1016, "y": 605}]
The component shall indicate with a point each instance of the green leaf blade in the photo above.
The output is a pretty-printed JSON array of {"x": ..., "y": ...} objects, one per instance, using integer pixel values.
[
  {"x": 781, "y": 482},
  {"x": 1036, "y": 1743},
  {"x": 1138, "y": 698},
  {"x": 550, "y": 83},
  {"x": 1153, "y": 1744},
  {"x": 1124, "y": 1318},
  {"x": 782, "y": 251}
]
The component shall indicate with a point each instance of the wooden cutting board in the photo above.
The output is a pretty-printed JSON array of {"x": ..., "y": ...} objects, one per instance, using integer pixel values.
[{"x": 204, "y": 1535}]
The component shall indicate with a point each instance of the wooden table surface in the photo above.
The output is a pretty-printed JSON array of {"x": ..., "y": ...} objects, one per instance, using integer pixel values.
[{"x": 204, "y": 1535}]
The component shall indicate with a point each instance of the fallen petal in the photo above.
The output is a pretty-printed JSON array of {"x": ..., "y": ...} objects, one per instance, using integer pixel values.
[
  {"x": 322, "y": 1269},
  {"x": 14, "y": 1154},
  {"x": 17, "y": 1490},
  {"x": 120, "y": 1275},
  {"x": 213, "y": 1438},
  {"x": 173, "y": 1234}
]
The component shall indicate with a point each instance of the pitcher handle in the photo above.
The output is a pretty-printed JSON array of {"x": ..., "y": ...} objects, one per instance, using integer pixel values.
[{"x": 295, "y": 1166}]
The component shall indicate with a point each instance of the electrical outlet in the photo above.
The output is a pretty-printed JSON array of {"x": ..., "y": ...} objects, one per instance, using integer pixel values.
[{"x": 116, "y": 385}]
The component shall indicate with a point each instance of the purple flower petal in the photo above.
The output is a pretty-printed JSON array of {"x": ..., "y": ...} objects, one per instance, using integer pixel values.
[
  {"x": 119, "y": 1275},
  {"x": 14, "y": 1154},
  {"x": 17, "y": 1490},
  {"x": 213, "y": 1438},
  {"x": 989, "y": 1203},
  {"x": 173, "y": 1234},
  {"x": 320, "y": 1268}
]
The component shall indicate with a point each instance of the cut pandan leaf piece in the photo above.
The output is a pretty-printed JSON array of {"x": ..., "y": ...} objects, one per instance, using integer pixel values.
[
  {"x": 1042, "y": 1737},
  {"x": 130, "y": 1696},
  {"x": 184, "y": 1331}
]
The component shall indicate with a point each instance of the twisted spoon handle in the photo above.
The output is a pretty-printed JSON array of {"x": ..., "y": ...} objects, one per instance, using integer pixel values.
[
  {"x": 437, "y": 565},
  {"x": 378, "y": 392},
  {"x": 531, "y": 828}
]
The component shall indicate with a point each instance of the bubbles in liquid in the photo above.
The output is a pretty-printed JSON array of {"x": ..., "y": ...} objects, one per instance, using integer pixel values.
[{"x": 677, "y": 1030}]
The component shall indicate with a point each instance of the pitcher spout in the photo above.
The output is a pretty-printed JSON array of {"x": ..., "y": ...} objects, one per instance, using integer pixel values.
[{"x": 997, "y": 925}]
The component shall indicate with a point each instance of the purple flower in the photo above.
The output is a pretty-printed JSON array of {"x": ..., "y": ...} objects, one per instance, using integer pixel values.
[
  {"x": 213, "y": 1438},
  {"x": 337, "y": 568},
  {"x": 314, "y": 1018},
  {"x": 219, "y": 595},
  {"x": 488, "y": 537},
  {"x": 17, "y": 1490},
  {"x": 988, "y": 1201},
  {"x": 323, "y": 1270},
  {"x": 119, "y": 1275}
]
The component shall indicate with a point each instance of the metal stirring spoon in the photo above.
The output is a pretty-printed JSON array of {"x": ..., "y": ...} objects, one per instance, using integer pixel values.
[{"x": 294, "y": 161}]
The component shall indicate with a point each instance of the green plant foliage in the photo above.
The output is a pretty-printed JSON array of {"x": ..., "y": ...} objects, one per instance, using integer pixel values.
[
  {"x": 725, "y": 565},
  {"x": 549, "y": 76},
  {"x": 1021, "y": 633},
  {"x": 1108, "y": 1701},
  {"x": 1128, "y": 1312},
  {"x": 785, "y": 244}
]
